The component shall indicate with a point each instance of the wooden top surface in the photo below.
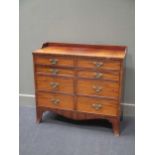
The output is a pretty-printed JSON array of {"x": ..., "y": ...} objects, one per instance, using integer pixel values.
[{"x": 107, "y": 51}]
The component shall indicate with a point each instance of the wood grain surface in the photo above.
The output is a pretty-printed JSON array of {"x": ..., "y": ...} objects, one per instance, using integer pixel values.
[
  {"x": 107, "y": 107},
  {"x": 99, "y": 64},
  {"x": 55, "y": 101},
  {"x": 79, "y": 81},
  {"x": 64, "y": 85},
  {"x": 54, "y": 71},
  {"x": 99, "y": 75},
  {"x": 106, "y": 51},
  {"x": 108, "y": 89}
]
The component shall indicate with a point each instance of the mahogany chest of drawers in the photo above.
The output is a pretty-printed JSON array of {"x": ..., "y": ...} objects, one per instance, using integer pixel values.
[{"x": 79, "y": 81}]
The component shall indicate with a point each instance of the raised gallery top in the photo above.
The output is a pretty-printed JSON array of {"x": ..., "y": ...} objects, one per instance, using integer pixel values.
[{"x": 106, "y": 51}]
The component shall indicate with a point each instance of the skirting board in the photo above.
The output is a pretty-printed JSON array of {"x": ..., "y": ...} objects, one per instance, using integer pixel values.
[{"x": 29, "y": 100}]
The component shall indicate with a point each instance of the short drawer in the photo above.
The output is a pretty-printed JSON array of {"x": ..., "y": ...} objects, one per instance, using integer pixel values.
[
  {"x": 56, "y": 84},
  {"x": 55, "y": 101},
  {"x": 104, "y": 64},
  {"x": 99, "y": 75},
  {"x": 54, "y": 71},
  {"x": 98, "y": 88},
  {"x": 98, "y": 106},
  {"x": 54, "y": 60}
]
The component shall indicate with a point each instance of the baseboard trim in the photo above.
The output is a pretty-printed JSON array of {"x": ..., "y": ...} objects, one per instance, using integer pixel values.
[
  {"x": 27, "y": 95},
  {"x": 29, "y": 100}
]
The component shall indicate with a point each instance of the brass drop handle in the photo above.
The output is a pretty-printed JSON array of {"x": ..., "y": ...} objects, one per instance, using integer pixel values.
[
  {"x": 55, "y": 101},
  {"x": 98, "y": 75},
  {"x": 97, "y": 64},
  {"x": 97, "y": 106},
  {"x": 54, "y": 71},
  {"x": 54, "y": 61},
  {"x": 97, "y": 89},
  {"x": 54, "y": 84}
]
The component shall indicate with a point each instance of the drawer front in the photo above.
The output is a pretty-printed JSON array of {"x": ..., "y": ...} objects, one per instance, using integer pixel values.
[
  {"x": 98, "y": 106},
  {"x": 99, "y": 64},
  {"x": 48, "y": 83},
  {"x": 54, "y": 61},
  {"x": 54, "y": 71},
  {"x": 99, "y": 75},
  {"x": 55, "y": 101},
  {"x": 99, "y": 88}
]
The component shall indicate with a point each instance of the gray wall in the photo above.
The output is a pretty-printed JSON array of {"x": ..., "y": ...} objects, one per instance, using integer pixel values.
[{"x": 77, "y": 21}]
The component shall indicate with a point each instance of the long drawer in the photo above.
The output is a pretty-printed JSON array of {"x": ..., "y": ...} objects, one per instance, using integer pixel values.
[
  {"x": 55, "y": 101},
  {"x": 97, "y": 106}
]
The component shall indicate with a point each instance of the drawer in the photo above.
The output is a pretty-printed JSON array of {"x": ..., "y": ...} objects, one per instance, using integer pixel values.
[
  {"x": 99, "y": 64},
  {"x": 97, "y": 106},
  {"x": 55, "y": 101},
  {"x": 54, "y": 71},
  {"x": 59, "y": 84},
  {"x": 54, "y": 60},
  {"x": 99, "y": 75},
  {"x": 99, "y": 88}
]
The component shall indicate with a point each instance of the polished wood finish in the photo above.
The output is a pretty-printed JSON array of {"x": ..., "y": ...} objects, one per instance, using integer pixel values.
[
  {"x": 99, "y": 64},
  {"x": 97, "y": 106},
  {"x": 99, "y": 51},
  {"x": 55, "y": 84},
  {"x": 99, "y": 88},
  {"x": 79, "y": 81},
  {"x": 99, "y": 75},
  {"x": 55, "y": 101},
  {"x": 54, "y": 60},
  {"x": 54, "y": 71}
]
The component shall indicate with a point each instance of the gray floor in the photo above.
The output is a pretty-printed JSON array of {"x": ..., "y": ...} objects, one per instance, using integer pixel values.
[{"x": 60, "y": 136}]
